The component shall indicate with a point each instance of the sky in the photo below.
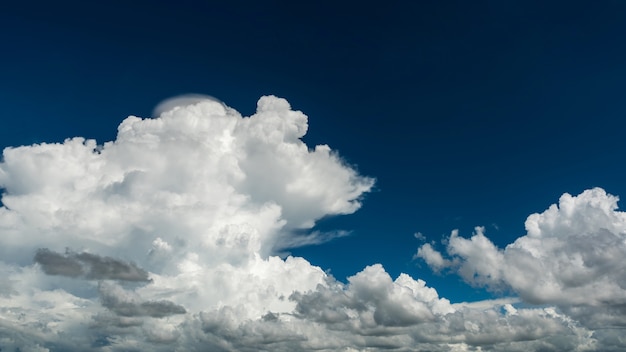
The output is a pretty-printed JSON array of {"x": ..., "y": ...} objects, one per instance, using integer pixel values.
[{"x": 294, "y": 176}]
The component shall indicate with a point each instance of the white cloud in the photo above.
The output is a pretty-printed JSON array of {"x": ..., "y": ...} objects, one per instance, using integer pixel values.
[
  {"x": 166, "y": 239},
  {"x": 198, "y": 177},
  {"x": 432, "y": 257},
  {"x": 197, "y": 200},
  {"x": 572, "y": 257},
  {"x": 419, "y": 236}
]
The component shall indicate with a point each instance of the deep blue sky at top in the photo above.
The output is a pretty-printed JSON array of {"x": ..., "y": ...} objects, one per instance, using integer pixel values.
[{"x": 467, "y": 112}]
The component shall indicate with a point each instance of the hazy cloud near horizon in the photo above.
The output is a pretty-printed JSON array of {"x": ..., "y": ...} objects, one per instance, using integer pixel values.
[{"x": 174, "y": 227}]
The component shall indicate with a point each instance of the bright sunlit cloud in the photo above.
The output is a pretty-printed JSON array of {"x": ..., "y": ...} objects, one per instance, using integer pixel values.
[
  {"x": 572, "y": 257},
  {"x": 167, "y": 238}
]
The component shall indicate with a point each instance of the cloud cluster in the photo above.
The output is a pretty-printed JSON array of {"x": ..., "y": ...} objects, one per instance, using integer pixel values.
[
  {"x": 572, "y": 256},
  {"x": 166, "y": 239}
]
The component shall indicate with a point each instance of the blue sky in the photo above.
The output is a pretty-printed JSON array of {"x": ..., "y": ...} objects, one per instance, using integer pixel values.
[{"x": 466, "y": 113}]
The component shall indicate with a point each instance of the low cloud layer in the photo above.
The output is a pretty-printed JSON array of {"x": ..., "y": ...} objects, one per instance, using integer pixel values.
[{"x": 175, "y": 226}]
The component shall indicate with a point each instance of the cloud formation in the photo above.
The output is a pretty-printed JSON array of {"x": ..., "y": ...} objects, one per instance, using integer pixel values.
[
  {"x": 181, "y": 101},
  {"x": 572, "y": 256},
  {"x": 174, "y": 229},
  {"x": 127, "y": 304},
  {"x": 87, "y": 265}
]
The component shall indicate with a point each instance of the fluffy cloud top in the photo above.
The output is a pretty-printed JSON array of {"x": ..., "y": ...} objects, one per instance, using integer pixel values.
[
  {"x": 165, "y": 239},
  {"x": 572, "y": 256}
]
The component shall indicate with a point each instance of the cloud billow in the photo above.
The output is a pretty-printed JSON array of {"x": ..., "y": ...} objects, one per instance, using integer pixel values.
[
  {"x": 571, "y": 257},
  {"x": 176, "y": 227}
]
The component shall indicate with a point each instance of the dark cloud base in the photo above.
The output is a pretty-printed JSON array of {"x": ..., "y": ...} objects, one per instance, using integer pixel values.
[{"x": 88, "y": 266}]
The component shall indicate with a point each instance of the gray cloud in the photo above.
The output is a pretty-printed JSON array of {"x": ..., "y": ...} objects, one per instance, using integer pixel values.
[
  {"x": 155, "y": 309},
  {"x": 128, "y": 304},
  {"x": 89, "y": 266},
  {"x": 53, "y": 263},
  {"x": 220, "y": 330}
]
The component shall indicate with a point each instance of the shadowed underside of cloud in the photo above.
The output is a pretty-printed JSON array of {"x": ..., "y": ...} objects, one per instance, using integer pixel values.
[
  {"x": 126, "y": 304},
  {"x": 197, "y": 202}
]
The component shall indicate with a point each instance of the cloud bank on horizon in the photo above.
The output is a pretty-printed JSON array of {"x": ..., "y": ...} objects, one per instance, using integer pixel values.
[{"x": 168, "y": 239}]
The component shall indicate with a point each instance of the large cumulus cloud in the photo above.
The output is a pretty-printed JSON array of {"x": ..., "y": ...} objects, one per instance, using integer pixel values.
[
  {"x": 166, "y": 239},
  {"x": 181, "y": 213}
]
